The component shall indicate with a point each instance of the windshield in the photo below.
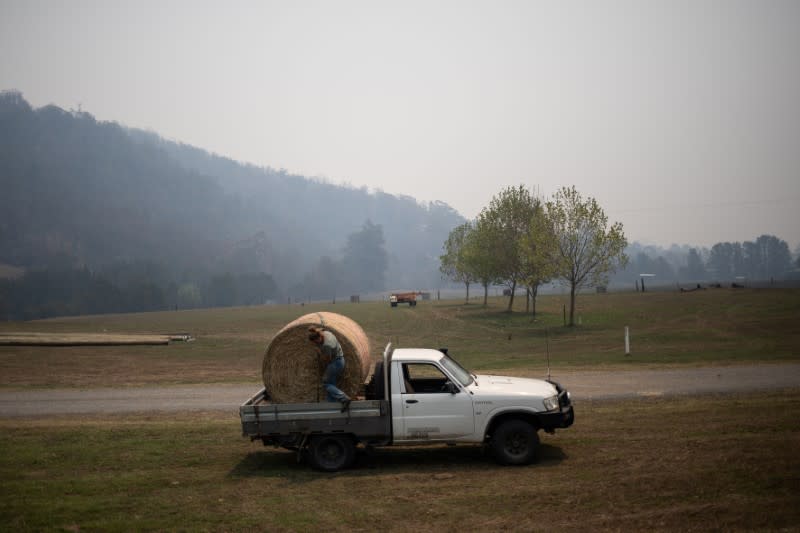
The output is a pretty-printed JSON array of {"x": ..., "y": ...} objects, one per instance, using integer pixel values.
[{"x": 462, "y": 375}]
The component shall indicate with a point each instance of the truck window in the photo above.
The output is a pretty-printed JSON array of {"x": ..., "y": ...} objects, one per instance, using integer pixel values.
[
  {"x": 460, "y": 373},
  {"x": 424, "y": 378}
]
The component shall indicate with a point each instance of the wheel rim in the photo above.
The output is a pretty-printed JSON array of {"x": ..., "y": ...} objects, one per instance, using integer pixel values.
[
  {"x": 517, "y": 444},
  {"x": 331, "y": 453}
]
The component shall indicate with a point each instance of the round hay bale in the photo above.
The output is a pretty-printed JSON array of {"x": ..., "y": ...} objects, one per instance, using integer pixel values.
[{"x": 292, "y": 368}]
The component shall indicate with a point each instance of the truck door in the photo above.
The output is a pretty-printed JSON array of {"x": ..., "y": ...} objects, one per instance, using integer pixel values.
[{"x": 433, "y": 407}]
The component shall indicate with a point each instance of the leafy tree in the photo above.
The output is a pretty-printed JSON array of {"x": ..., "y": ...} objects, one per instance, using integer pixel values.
[
  {"x": 737, "y": 259},
  {"x": 509, "y": 215},
  {"x": 767, "y": 257},
  {"x": 362, "y": 267},
  {"x": 695, "y": 270},
  {"x": 725, "y": 260},
  {"x": 453, "y": 263},
  {"x": 587, "y": 249},
  {"x": 189, "y": 296},
  {"x": 365, "y": 259},
  {"x": 539, "y": 253},
  {"x": 479, "y": 257},
  {"x": 323, "y": 281},
  {"x": 145, "y": 296},
  {"x": 221, "y": 291},
  {"x": 659, "y": 266},
  {"x": 255, "y": 289}
]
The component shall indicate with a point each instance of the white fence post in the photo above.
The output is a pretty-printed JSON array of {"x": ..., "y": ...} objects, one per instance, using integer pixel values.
[{"x": 627, "y": 341}]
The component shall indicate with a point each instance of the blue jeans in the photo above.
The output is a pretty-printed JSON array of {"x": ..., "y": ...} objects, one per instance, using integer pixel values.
[{"x": 332, "y": 373}]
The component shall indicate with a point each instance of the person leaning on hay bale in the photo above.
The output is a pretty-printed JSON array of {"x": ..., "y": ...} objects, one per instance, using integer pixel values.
[{"x": 328, "y": 346}]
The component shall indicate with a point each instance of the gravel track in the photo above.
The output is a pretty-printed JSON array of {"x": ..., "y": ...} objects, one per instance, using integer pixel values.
[{"x": 228, "y": 397}]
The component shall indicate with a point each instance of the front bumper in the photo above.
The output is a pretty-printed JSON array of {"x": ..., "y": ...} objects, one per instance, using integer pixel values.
[{"x": 564, "y": 417}]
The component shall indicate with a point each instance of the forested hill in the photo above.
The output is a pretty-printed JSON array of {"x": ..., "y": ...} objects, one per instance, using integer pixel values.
[{"x": 78, "y": 194}]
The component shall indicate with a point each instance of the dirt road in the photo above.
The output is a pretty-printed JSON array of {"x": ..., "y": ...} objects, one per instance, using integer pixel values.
[{"x": 223, "y": 397}]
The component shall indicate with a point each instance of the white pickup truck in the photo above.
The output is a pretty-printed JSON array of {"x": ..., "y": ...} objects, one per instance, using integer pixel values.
[{"x": 416, "y": 396}]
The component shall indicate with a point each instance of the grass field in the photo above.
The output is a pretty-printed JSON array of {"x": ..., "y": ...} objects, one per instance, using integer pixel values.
[
  {"x": 725, "y": 462},
  {"x": 688, "y": 464},
  {"x": 721, "y": 326}
]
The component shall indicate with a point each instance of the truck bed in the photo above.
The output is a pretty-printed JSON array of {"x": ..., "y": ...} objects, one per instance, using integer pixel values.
[{"x": 283, "y": 424}]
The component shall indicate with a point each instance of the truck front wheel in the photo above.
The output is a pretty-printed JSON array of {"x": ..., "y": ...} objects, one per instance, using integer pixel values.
[
  {"x": 331, "y": 452},
  {"x": 515, "y": 442}
]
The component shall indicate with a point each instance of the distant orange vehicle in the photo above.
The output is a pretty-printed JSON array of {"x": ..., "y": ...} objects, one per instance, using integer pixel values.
[{"x": 403, "y": 297}]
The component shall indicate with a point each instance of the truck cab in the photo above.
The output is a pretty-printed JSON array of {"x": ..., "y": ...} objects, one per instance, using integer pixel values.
[{"x": 434, "y": 399}]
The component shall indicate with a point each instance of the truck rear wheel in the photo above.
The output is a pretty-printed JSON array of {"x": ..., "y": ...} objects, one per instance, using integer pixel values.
[
  {"x": 331, "y": 452},
  {"x": 515, "y": 442}
]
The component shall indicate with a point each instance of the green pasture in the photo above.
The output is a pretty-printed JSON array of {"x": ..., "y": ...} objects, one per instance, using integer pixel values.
[{"x": 715, "y": 326}]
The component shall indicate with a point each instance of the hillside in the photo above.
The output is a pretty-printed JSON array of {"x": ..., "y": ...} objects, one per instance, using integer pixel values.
[{"x": 128, "y": 205}]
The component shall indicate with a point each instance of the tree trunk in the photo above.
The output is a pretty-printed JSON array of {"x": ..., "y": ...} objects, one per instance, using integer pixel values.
[
  {"x": 527, "y": 299},
  {"x": 511, "y": 299},
  {"x": 534, "y": 291},
  {"x": 467, "y": 284},
  {"x": 485, "y": 294},
  {"x": 572, "y": 304}
]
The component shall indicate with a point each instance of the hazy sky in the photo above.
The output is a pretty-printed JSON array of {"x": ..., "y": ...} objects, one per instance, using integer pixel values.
[{"x": 681, "y": 117}]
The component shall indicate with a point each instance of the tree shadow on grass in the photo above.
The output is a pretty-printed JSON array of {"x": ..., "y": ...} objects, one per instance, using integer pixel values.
[{"x": 433, "y": 460}]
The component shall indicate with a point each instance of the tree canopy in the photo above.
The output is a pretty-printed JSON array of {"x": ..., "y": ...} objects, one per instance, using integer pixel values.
[
  {"x": 587, "y": 249},
  {"x": 508, "y": 219},
  {"x": 454, "y": 264}
]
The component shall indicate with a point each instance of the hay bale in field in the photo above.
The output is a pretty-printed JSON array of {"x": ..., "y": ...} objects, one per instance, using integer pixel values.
[{"x": 292, "y": 368}]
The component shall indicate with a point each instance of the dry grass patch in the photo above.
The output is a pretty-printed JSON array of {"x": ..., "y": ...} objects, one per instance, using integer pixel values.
[{"x": 687, "y": 464}]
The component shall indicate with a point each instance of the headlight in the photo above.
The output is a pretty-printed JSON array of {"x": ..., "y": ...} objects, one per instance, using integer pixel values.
[{"x": 551, "y": 403}]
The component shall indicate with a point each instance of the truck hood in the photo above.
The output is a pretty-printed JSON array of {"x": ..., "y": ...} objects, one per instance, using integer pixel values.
[{"x": 489, "y": 386}]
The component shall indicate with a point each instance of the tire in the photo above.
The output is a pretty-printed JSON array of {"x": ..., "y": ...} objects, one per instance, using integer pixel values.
[
  {"x": 515, "y": 442},
  {"x": 394, "y": 304},
  {"x": 331, "y": 452}
]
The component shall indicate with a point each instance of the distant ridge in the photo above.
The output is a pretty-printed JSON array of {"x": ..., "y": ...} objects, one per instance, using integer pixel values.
[{"x": 83, "y": 193}]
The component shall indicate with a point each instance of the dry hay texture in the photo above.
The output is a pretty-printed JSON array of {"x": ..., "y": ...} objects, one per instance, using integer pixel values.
[{"x": 293, "y": 369}]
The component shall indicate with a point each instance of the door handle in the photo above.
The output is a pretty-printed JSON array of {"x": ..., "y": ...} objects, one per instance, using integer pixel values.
[{"x": 412, "y": 401}]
